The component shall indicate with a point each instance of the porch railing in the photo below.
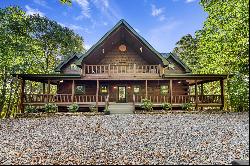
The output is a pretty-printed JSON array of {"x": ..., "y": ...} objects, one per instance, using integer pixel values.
[
  {"x": 61, "y": 98},
  {"x": 179, "y": 99},
  {"x": 68, "y": 98},
  {"x": 121, "y": 69}
]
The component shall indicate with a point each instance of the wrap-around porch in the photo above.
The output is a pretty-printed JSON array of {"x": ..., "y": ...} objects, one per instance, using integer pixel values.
[{"x": 149, "y": 89}]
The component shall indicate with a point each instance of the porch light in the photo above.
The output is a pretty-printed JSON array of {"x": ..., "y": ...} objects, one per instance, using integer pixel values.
[
  {"x": 179, "y": 82},
  {"x": 61, "y": 81},
  {"x": 115, "y": 87},
  {"x": 129, "y": 87}
]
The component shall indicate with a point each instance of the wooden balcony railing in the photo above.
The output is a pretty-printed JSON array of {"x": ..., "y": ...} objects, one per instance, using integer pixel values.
[{"x": 120, "y": 69}]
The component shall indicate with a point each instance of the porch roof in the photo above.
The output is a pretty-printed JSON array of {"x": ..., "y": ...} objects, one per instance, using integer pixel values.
[
  {"x": 200, "y": 78},
  {"x": 45, "y": 77}
]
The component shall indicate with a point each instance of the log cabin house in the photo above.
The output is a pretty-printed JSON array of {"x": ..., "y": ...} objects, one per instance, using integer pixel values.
[{"x": 122, "y": 67}]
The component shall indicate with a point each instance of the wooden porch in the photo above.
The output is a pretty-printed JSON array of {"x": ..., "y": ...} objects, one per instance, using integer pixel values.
[{"x": 198, "y": 99}]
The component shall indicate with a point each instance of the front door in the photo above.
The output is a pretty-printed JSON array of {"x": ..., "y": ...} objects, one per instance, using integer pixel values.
[{"x": 122, "y": 94}]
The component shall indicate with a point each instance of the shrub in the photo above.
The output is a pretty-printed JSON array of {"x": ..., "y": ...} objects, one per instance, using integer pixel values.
[
  {"x": 147, "y": 105},
  {"x": 93, "y": 108},
  {"x": 106, "y": 112},
  {"x": 30, "y": 109},
  {"x": 186, "y": 106},
  {"x": 50, "y": 108},
  {"x": 73, "y": 107},
  {"x": 166, "y": 106}
]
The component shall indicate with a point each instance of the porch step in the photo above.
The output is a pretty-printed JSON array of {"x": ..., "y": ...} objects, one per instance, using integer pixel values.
[{"x": 121, "y": 108}]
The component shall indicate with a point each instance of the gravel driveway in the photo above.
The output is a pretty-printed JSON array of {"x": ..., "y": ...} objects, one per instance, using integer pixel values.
[{"x": 126, "y": 139}]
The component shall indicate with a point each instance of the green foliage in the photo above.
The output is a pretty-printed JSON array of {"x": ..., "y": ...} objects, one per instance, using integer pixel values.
[
  {"x": 147, "y": 105},
  {"x": 93, "y": 108},
  {"x": 222, "y": 47},
  {"x": 167, "y": 106},
  {"x": 69, "y": 2},
  {"x": 30, "y": 44},
  {"x": 107, "y": 112},
  {"x": 239, "y": 92},
  {"x": 186, "y": 106},
  {"x": 73, "y": 107},
  {"x": 50, "y": 108},
  {"x": 186, "y": 49},
  {"x": 30, "y": 109}
]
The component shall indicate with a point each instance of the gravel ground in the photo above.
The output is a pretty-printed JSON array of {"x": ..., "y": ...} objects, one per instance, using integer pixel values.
[{"x": 126, "y": 139}]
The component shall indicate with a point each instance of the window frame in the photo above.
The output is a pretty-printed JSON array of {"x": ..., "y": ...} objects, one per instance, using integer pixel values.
[
  {"x": 167, "y": 89},
  {"x": 136, "y": 86},
  {"x": 80, "y": 93},
  {"x": 100, "y": 89}
]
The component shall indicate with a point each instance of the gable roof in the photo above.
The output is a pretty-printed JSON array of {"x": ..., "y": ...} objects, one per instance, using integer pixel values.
[
  {"x": 119, "y": 24},
  {"x": 162, "y": 56},
  {"x": 177, "y": 59},
  {"x": 63, "y": 63}
]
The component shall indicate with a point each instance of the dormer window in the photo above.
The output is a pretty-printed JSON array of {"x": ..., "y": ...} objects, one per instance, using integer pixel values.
[
  {"x": 171, "y": 66},
  {"x": 74, "y": 67}
]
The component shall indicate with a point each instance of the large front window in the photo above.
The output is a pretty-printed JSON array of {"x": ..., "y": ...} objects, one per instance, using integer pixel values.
[
  {"x": 136, "y": 89},
  {"x": 164, "y": 89},
  {"x": 80, "y": 89},
  {"x": 104, "y": 89}
]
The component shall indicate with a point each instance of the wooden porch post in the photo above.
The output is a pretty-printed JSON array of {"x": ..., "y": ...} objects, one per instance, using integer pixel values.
[
  {"x": 43, "y": 88},
  {"x": 31, "y": 88},
  {"x": 196, "y": 96},
  {"x": 73, "y": 91},
  {"x": 134, "y": 69},
  {"x": 21, "y": 106},
  {"x": 84, "y": 70},
  {"x": 222, "y": 94},
  {"x": 146, "y": 88},
  {"x": 48, "y": 90},
  {"x": 159, "y": 70},
  {"x": 109, "y": 71},
  {"x": 202, "y": 94},
  {"x": 97, "y": 93},
  {"x": 170, "y": 90}
]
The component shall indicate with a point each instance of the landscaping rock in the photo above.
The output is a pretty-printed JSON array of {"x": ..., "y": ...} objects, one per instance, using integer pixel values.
[{"x": 126, "y": 139}]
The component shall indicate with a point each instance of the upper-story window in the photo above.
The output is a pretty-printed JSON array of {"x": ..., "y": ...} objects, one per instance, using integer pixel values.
[{"x": 171, "y": 66}]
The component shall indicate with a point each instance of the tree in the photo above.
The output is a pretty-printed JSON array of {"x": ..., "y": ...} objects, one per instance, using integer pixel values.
[
  {"x": 29, "y": 44},
  {"x": 222, "y": 47},
  {"x": 186, "y": 49},
  {"x": 55, "y": 40}
]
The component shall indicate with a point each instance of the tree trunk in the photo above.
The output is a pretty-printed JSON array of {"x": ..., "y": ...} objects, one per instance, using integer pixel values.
[{"x": 3, "y": 91}]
